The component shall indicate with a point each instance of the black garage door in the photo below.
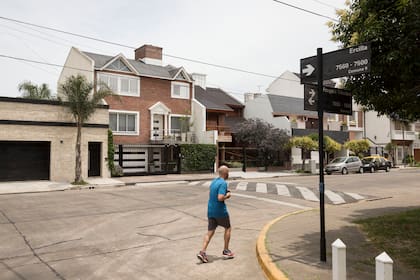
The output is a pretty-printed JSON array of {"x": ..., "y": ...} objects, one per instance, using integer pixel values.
[{"x": 24, "y": 161}]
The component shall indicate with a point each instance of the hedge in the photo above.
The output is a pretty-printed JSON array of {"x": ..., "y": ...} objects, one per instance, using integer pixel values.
[{"x": 198, "y": 157}]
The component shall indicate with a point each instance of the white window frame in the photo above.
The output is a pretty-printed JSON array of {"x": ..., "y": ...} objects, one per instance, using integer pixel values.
[
  {"x": 119, "y": 78},
  {"x": 137, "y": 122},
  {"x": 176, "y": 116},
  {"x": 180, "y": 84}
]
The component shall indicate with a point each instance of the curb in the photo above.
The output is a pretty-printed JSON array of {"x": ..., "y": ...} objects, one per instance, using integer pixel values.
[{"x": 271, "y": 271}]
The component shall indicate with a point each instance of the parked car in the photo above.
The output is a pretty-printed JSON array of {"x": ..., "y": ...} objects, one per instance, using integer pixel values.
[
  {"x": 344, "y": 165},
  {"x": 375, "y": 163}
]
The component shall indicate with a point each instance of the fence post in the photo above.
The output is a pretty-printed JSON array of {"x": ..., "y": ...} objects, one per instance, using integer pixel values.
[
  {"x": 383, "y": 267},
  {"x": 339, "y": 260}
]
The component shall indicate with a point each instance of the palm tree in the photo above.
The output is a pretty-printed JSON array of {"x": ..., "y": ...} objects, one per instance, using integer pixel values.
[
  {"x": 82, "y": 103},
  {"x": 32, "y": 91}
]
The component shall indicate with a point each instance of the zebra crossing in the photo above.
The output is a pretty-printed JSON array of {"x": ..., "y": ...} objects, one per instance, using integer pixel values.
[{"x": 289, "y": 190}]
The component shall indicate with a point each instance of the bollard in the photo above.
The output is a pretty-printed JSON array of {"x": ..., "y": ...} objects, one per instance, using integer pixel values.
[
  {"x": 383, "y": 267},
  {"x": 339, "y": 260}
]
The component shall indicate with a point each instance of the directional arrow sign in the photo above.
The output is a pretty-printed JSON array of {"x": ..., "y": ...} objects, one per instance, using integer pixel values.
[
  {"x": 337, "y": 101},
  {"x": 345, "y": 62}
]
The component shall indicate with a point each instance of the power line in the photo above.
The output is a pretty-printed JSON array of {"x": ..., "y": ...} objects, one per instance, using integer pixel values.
[
  {"x": 131, "y": 47},
  {"x": 44, "y": 63},
  {"x": 325, "y": 4},
  {"x": 305, "y": 10}
]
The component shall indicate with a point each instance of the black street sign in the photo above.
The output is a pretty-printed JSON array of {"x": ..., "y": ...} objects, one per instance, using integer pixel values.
[
  {"x": 336, "y": 101},
  {"x": 340, "y": 63}
]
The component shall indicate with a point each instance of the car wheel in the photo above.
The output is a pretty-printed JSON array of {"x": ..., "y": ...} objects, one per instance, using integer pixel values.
[
  {"x": 387, "y": 168},
  {"x": 361, "y": 170},
  {"x": 344, "y": 171},
  {"x": 328, "y": 173},
  {"x": 372, "y": 169}
]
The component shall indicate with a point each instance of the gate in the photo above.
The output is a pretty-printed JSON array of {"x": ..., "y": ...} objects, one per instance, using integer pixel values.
[
  {"x": 246, "y": 157},
  {"x": 148, "y": 159}
]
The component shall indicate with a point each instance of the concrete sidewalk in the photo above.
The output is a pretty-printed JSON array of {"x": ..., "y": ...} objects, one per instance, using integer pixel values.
[
  {"x": 48, "y": 186},
  {"x": 290, "y": 245}
]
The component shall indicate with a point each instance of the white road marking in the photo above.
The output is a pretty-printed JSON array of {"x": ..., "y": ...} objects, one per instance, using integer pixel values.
[
  {"x": 193, "y": 183},
  {"x": 272, "y": 201},
  {"x": 307, "y": 194},
  {"x": 334, "y": 197},
  {"x": 261, "y": 188},
  {"x": 355, "y": 196},
  {"x": 282, "y": 190},
  {"x": 242, "y": 186}
]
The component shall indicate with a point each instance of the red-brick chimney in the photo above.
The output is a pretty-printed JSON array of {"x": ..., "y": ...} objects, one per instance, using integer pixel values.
[{"x": 149, "y": 54}]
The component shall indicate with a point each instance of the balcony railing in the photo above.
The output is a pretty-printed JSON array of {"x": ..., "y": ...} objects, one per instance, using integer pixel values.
[
  {"x": 173, "y": 136},
  {"x": 224, "y": 133},
  {"x": 403, "y": 135}
]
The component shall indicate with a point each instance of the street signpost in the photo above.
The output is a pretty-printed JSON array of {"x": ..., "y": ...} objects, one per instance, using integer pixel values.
[
  {"x": 314, "y": 70},
  {"x": 345, "y": 62},
  {"x": 336, "y": 101}
]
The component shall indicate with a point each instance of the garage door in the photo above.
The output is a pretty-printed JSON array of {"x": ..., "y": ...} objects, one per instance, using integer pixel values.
[{"x": 24, "y": 161}]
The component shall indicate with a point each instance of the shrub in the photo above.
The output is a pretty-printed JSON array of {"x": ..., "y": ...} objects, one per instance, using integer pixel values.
[{"x": 197, "y": 157}]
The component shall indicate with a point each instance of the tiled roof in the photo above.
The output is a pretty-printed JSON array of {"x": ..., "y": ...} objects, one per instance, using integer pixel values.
[
  {"x": 166, "y": 72},
  {"x": 288, "y": 105},
  {"x": 215, "y": 99}
]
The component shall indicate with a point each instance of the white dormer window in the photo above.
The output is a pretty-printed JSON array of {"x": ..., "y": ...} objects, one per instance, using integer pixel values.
[
  {"x": 120, "y": 84},
  {"x": 180, "y": 90}
]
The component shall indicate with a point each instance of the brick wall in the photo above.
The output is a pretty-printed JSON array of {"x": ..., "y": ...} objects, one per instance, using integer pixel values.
[{"x": 151, "y": 91}]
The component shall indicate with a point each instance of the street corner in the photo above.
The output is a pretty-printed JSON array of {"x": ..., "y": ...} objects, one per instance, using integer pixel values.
[{"x": 271, "y": 270}]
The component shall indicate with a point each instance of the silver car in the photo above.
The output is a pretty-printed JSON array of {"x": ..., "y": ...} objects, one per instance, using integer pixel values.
[{"x": 344, "y": 165}]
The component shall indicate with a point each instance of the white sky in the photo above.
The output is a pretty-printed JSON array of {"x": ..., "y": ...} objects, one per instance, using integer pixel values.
[{"x": 256, "y": 35}]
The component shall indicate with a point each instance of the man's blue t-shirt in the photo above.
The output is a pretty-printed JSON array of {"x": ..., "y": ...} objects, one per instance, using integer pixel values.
[{"x": 216, "y": 208}]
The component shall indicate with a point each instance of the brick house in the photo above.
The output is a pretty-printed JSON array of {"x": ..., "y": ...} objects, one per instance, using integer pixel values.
[{"x": 153, "y": 105}]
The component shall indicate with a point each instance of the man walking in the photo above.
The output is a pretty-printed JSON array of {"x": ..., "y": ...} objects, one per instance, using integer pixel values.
[{"x": 217, "y": 214}]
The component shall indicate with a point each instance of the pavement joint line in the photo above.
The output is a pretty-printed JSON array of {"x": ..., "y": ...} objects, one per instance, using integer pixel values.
[
  {"x": 160, "y": 183},
  {"x": 270, "y": 269}
]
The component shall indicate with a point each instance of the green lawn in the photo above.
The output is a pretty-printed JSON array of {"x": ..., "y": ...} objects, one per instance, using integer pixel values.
[{"x": 396, "y": 234}]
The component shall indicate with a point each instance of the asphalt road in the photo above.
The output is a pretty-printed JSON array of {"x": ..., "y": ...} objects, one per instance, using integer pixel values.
[
  {"x": 153, "y": 232},
  {"x": 149, "y": 232}
]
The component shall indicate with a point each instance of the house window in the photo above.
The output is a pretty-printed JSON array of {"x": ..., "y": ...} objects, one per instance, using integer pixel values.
[
  {"x": 121, "y": 85},
  {"x": 180, "y": 90},
  {"x": 124, "y": 123},
  {"x": 180, "y": 124}
]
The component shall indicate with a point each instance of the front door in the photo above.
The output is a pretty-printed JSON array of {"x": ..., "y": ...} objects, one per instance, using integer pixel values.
[
  {"x": 94, "y": 168},
  {"x": 157, "y": 127}
]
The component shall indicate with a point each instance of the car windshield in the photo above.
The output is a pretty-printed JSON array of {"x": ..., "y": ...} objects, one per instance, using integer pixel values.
[
  {"x": 367, "y": 160},
  {"x": 338, "y": 160}
]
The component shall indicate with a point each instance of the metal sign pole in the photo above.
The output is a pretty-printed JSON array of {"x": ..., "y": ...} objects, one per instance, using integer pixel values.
[{"x": 321, "y": 152}]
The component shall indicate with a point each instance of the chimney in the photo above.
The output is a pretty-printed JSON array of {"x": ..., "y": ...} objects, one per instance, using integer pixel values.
[
  {"x": 199, "y": 80},
  {"x": 149, "y": 54}
]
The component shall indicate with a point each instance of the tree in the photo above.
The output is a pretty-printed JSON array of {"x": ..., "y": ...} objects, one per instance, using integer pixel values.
[
  {"x": 357, "y": 146},
  {"x": 330, "y": 145},
  {"x": 392, "y": 27},
  {"x": 306, "y": 144},
  {"x": 262, "y": 135},
  {"x": 32, "y": 91},
  {"x": 82, "y": 103}
]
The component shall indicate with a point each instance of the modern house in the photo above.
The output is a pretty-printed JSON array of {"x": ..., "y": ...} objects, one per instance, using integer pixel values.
[
  {"x": 38, "y": 137},
  {"x": 283, "y": 107},
  {"x": 216, "y": 112},
  {"x": 152, "y": 113}
]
